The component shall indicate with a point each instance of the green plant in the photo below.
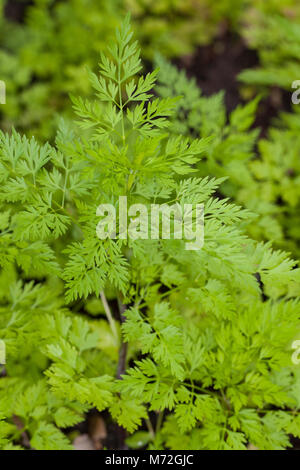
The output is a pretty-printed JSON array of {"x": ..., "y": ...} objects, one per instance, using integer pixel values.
[
  {"x": 45, "y": 59},
  {"x": 177, "y": 27},
  {"x": 276, "y": 178},
  {"x": 277, "y": 41},
  {"x": 48, "y": 60},
  {"x": 198, "y": 348},
  {"x": 263, "y": 175}
]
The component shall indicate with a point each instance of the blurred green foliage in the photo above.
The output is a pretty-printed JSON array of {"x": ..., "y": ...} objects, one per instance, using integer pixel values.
[
  {"x": 44, "y": 58},
  {"x": 48, "y": 57},
  {"x": 276, "y": 37}
]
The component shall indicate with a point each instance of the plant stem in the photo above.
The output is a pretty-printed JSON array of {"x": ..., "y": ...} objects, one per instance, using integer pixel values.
[
  {"x": 120, "y": 99},
  {"x": 109, "y": 316},
  {"x": 65, "y": 188},
  {"x": 150, "y": 428},
  {"x": 159, "y": 421},
  {"x": 121, "y": 432},
  {"x": 124, "y": 346}
]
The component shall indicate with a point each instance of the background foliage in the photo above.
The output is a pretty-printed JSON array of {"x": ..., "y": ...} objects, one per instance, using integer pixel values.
[{"x": 44, "y": 58}]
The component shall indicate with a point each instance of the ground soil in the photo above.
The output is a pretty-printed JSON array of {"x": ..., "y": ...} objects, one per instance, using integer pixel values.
[{"x": 217, "y": 66}]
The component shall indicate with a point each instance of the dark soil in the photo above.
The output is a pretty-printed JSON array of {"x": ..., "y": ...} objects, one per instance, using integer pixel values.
[
  {"x": 14, "y": 10},
  {"x": 217, "y": 66}
]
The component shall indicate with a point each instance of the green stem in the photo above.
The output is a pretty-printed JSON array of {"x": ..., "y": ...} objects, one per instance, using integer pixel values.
[
  {"x": 150, "y": 428},
  {"x": 120, "y": 99},
  {"x": 160, "y": 418},
  {"x": 65, "y": 188},
  {"x": 109, "y": 317}
]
